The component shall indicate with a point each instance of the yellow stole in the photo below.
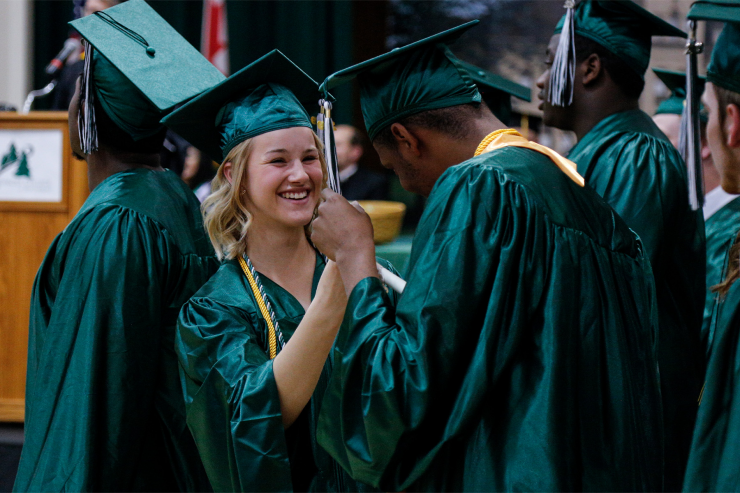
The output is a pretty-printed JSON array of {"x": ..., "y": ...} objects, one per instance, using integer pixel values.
[{"x": 509, "y": 137}]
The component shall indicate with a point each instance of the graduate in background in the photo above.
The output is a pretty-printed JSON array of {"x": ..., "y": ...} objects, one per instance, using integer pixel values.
[
  {"x": 253, "y": 342},
  {"x": 713, "y": 463},
  {"x": 521, "y": 355},
  {"x": 104, "y": 408},
  {"x": 358, "y": 183},
  {"x": 497, "y": 91},
  {"x": 721, "y": 209},
  {"x": 625, "y": 157}
]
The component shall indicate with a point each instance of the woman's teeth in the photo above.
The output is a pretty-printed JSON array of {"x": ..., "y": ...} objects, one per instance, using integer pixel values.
[{"x": 295, "y": 196}]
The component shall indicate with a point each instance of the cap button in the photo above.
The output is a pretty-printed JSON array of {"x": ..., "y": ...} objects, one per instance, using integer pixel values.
[{"x": 150, "y": 51}]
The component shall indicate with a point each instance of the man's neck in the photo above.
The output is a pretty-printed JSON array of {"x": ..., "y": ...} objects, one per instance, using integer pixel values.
[
  {"x": 481, "y": 129},
  {"x": 594, "y": 111},
  {"x": 104, "y": 163}
]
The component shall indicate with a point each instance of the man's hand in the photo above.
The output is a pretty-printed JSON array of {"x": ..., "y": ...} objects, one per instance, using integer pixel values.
[{"x": 344, "y": 233}]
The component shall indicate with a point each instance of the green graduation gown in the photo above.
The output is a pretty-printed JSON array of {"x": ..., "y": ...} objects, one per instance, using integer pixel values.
[
  {"x": 233, "y": 408},
  {"x": 714, "y": 463},
  {"x": 104, "y": 408},
  {"x": 721, "y": 230},
  {"x": 630, "y": 163},
  {"x": 521, "y": 355}
]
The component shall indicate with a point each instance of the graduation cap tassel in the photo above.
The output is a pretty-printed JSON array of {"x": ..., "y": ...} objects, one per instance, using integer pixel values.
[
  {"x": 690, "y": 137},
  {"x": 562, "y": 73},
  {"x": 320, "y": 123},
  {"x": 86, "y": 113},
  {"x": 325, "y": 132},
  {"x": 330, "y": 149}
]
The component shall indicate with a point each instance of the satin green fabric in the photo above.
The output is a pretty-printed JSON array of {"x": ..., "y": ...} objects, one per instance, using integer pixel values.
[
  {"x": 627, "y": 160},
  {"x": 142, "y": 67},
  {"x": 104, "y": 408},
  {"x": 269, "y": 94},
  {"x": 715, "y": 10},
  {"x": 427, "y": 78},
  {"x": 676, "y": 83},
  {"x": 233, "y": 408},
  {"x": 724, "y": 68},
  {"x": 622, "y": 27},
  {"x": 496, "y": 91},
  {"x": 721, "y": 230},
  {"x": 268, "y": 107},
  {"x": 521, "y": 355},
  {"x": 126, "y": 105},
  {"x": 715, "y": 450}
]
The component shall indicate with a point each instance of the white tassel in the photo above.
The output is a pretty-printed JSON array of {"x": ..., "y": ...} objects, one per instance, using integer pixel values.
[
  {"x": 325, "y": 131},
  {"x": 689, "y": 141},
  {"x": 88, "y": 130},
  {"x": 563, "y": 71}
]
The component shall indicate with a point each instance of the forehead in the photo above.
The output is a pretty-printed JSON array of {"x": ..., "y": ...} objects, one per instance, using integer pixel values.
[
  {"x": 293, "y": 138},
  {"x": 552, "y": 46},
  {"x": 708, "y": 97},
  {"x": 343, "y": 133}
]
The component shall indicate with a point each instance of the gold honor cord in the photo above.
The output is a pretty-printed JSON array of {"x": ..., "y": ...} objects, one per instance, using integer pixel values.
[{"x": 272, "y": 339}]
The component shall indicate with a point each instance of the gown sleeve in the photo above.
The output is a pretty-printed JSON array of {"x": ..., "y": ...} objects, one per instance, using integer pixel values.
[
  {"x": 647, "y": 189},
  {"x": 400, "y": 370},
  {"x": 94, "y": 353},
  {"x": 233, "y": 407}
]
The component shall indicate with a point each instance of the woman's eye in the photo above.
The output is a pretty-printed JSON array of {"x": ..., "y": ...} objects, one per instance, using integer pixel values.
[
  {"x": 277, "y": 160},
  {"x": 308, "y": 159}
]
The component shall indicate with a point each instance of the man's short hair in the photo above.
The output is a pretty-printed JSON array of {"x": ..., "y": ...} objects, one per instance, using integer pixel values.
[
  {"x": 624, "y": 76},
  {"x": 112, "y": 136},
  {"x": 725, "y": 97},
  {"x": 455, "y": 121}
]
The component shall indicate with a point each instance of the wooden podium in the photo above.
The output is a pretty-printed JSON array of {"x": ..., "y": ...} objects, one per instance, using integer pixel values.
[{"x": 42, "y": 186}]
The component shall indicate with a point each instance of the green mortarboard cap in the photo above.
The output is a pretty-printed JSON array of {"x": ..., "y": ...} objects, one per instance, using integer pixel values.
[
  {"x": 269, "y": 94},
  {"x": 496, "y": 91},
  {"x": 418, "y": 77},
  {"x": 724, "y": 67},
  {"x": 676, "y": 83},
  {"x": 622, "y": 27},
  {"x": 141, "y": 67},
  {"x": 715, "y": 10}
]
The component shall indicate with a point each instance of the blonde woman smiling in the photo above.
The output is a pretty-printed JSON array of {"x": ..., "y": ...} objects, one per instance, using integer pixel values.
[{"x": 253, "y": 342}]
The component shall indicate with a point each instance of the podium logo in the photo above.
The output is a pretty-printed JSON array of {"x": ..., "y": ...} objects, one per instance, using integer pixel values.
[{"x": 11, "y": 160}]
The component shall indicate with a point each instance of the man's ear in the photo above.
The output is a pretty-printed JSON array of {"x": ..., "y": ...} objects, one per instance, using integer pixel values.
[
  {"x": 405, "y": 139},
  {"x": 227, "y": 171},
  {"x": 591, "y": 69},
  {"x": 732, "y": 125}
]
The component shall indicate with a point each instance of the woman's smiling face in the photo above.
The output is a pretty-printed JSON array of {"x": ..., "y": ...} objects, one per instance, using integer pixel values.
[{"x": 283, "y": 177}]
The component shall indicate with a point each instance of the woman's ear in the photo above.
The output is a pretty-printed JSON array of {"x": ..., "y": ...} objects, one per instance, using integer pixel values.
[{"x": 227, "y": 171}]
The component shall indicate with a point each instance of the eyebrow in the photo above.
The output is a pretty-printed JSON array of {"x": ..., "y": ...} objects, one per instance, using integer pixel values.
[{"x": 276, "y": 150}]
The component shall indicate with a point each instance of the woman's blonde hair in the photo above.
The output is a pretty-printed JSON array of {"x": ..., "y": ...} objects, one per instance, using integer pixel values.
[{"x": 225, "y": 216}]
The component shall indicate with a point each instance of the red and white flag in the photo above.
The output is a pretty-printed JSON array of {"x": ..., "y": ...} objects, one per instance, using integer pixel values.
[{"x": 215, "y": 35}]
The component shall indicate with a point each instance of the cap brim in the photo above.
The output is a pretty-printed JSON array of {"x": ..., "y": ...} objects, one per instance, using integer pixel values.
[
  {"x": 658, "y": 27},
  {"x": 349, "y": 73},
  {"x": 196, "y": 120},
  {"x": 715, "y": 10},
  {"x": 676, "y": 80},
  {"x": 489, "y": 81}
]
